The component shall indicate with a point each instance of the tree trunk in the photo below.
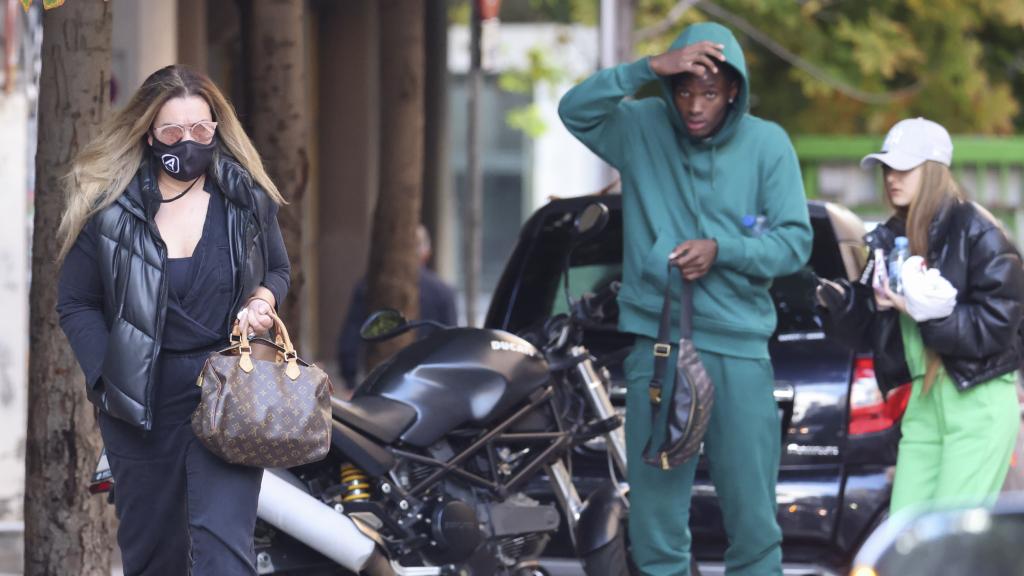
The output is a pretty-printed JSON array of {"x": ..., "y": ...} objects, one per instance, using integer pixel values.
[
  {"x": 279, "y": 125},
  {"x": 67, "y": 530},
  {"x": 393, "y": 275},
  {"x": 435, "y": 153}
]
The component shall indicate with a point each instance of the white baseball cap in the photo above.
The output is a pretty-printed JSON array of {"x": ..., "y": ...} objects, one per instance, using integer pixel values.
[{"x": 912, "y": 142}]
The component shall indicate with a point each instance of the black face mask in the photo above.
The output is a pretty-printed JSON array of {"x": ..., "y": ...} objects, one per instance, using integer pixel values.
[{"x": 186, "y": 160}]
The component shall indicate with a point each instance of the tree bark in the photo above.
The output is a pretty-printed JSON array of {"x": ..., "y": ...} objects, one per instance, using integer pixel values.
[
  {"x": 279, "y": 125},
  {"x": 393, "y": 275},
  {"x": 67, "y": 530},
  {"x": 193, "y": 43}
]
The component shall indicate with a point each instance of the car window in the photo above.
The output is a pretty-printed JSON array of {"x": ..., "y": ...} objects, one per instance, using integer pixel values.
[
  {"x": 794, "y": 295},
  {"x": 585, "y": 279},
  {"x": 533, "y": 288}
]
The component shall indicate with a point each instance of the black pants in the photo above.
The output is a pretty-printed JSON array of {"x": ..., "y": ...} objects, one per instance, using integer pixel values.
[{"x": 181, "y": 509}]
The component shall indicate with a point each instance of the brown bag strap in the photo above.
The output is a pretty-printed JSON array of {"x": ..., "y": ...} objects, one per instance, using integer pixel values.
[
  {"x": 291, "y": 358},
  {"x": 236, "y": 338}
]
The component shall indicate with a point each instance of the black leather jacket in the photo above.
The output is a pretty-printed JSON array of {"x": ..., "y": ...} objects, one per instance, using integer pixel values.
[
  {"x": 981, "y": 339},
  {"x": 131, "y": 259}
]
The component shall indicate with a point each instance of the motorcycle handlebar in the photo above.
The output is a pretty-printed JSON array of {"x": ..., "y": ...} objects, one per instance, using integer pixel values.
[
  {"x": 590, "y": 307},
  {"x": 563, "y": 331}
]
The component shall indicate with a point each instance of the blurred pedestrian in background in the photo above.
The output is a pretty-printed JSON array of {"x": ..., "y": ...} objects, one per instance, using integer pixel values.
[{"x": 437, "y": 302}]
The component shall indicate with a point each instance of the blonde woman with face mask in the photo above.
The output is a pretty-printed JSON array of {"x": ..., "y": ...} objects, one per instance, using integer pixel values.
[
  {"x": 954, "y": 332},
  {"x": 170, "y": 233}
]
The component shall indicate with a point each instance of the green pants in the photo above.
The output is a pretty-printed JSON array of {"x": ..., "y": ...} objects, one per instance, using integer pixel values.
[
  {"x": 742, "y": 445},
  {"x": 956, "y": 446}
]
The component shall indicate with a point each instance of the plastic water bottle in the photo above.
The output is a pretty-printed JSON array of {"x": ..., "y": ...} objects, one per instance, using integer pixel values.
[
  {"x": 897, "y": 257},
  {"x": 757, "y": 225}
]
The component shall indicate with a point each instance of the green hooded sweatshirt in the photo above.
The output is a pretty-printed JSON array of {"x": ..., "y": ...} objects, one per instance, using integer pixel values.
[{"x": 676, "y": 188}]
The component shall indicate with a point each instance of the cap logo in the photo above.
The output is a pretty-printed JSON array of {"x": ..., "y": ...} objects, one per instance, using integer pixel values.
[
  {"x": 894, "y": 138},
  {"x": 170, "y": 163}
]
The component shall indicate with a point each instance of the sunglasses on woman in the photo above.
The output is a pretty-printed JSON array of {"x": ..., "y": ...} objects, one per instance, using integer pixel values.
[{"x": 202, "y": 132}]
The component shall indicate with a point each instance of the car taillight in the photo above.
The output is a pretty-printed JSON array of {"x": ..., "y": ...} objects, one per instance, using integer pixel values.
[
  {"x": 101, "y": 487},
  {"x": 869, "y": 410}
]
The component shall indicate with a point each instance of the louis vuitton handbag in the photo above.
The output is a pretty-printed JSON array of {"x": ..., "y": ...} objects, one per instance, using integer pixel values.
[
  {"x": 266, "y": 410},
  {"x": 684, "y": 412}
]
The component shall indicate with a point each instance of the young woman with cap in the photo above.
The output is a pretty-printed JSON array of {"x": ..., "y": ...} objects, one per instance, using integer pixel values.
[{"x": 954, "y": 332}]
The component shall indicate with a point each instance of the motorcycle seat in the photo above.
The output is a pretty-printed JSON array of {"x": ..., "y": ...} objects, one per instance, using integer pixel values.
[{"x": 383, "y": 418}]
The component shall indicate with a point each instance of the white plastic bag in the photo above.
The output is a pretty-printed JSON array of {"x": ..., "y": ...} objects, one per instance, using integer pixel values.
[{"x": 929, "y": 296}]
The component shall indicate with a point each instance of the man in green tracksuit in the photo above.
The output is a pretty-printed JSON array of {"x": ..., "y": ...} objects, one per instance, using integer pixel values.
[{"x": 718, "y": 192}]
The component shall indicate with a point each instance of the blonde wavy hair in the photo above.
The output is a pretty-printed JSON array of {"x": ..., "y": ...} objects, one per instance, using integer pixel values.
[{"x": 103, "y": 169}]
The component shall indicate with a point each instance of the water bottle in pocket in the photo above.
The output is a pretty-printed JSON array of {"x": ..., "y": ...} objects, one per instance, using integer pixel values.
[{"x": 755, "y": 225}]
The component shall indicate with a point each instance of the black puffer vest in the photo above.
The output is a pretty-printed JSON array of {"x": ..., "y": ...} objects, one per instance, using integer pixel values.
[{"x": 132, "y": 259}]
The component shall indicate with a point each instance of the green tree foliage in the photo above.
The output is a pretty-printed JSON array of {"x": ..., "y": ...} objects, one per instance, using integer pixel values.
[
  {"x": 857, "y": 66},
  {"x": 852, "y": 66},
  {"x": 539, "y": 71}
]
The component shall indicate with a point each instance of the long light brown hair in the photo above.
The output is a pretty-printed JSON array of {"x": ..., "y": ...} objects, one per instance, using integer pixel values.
[
  {"x": 938, "y": 189},
  {"x": 103, "y": 168}
]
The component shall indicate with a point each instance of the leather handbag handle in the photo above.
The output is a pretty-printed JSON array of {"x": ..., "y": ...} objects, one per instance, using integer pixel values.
[
  {"x": 290, "y": 356},
  {"x": 236, "y": 338}
]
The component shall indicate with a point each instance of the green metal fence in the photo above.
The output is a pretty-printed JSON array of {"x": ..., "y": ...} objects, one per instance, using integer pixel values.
[{"x": 990, "y": 169}]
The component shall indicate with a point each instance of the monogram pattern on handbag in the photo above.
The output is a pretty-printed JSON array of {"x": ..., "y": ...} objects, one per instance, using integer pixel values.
[{"x": 264, "y": 413}]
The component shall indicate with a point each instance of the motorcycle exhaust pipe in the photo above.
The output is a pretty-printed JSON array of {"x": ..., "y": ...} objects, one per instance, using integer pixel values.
[{"x": 289, "y": 508}]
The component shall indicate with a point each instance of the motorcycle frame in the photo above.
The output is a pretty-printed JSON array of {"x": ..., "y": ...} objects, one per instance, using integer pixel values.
[{"x": 557, "y": 443}]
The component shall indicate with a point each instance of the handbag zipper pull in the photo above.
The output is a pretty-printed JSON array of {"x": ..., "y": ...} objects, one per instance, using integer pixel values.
[{"x": 664, "y": 461}]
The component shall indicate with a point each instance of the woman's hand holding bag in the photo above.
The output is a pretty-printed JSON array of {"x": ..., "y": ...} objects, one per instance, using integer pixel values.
[{"x": 264, "y": 413}]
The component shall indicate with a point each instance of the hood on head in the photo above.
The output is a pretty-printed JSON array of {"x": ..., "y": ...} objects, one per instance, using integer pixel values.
[{"x": 733, "y": 57}]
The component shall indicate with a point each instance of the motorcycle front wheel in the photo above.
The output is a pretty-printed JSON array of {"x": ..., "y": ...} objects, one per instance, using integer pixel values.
[{"x": 612, "y": 559}]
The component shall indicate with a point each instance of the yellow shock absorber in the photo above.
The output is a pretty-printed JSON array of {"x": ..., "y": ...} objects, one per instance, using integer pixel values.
[{"x": 356, "y": 483}]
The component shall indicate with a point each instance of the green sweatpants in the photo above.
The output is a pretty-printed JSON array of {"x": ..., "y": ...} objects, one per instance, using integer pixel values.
[
  {"x": 956, "y": 446},
  {"x": 742, "y": 445}
]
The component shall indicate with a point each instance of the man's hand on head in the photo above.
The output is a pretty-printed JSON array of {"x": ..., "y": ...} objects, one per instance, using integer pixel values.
[
  {"x": 694, "y": 257},
  {"x": 698, "y": 59}
]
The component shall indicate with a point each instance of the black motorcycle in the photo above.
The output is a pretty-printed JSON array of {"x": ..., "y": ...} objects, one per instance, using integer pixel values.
[{"x": 431, "y": 455}]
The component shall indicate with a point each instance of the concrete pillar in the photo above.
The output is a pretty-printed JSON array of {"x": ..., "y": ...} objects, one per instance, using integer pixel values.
[
  {"x": 14, "y": 235},
  {"x": 438, "y": 195}
]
